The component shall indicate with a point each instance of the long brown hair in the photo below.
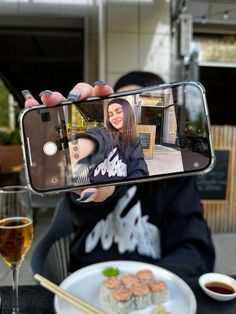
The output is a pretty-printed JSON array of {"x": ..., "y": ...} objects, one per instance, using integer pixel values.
[{"x": 128, "y": 136}]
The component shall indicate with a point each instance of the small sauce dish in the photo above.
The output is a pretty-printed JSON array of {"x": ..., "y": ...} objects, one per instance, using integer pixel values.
[{"x": 218, "y": 286}]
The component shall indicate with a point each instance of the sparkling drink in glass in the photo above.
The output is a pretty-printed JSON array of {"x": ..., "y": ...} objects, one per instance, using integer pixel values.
[{"x": 16, "y": 231}]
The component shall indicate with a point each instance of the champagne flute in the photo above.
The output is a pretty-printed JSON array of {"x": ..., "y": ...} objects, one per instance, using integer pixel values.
[{"x": 16, "y": 231}]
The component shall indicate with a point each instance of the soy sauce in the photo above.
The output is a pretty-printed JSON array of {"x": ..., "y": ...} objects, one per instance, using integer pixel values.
[{"x": 219, "y": 287}]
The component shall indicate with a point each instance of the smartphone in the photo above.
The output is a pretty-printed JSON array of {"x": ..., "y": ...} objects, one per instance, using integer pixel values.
[{"x": 141, "y": 135}]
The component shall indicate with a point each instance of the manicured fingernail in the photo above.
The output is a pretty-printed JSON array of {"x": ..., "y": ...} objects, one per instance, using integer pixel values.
[
  {"x": 85, "y": 196},
  {"x": 73, "y": 96},
  {"x": 99, "y": 82},
  {"x": 26, "y": 93},
  {"x": 45, "y": 92}
]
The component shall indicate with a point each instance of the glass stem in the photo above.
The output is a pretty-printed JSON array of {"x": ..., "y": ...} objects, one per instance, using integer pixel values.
[{"x": 15, "y": 277}]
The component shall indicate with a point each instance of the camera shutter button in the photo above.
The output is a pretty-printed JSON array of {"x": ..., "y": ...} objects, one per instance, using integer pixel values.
[{"x": 49, "y": 148}]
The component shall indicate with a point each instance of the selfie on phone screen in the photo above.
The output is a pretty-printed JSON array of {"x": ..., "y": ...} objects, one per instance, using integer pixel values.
[{"x": 153, "y": 133}]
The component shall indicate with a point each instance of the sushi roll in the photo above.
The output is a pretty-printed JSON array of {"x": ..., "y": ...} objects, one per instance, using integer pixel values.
[
  {"x": 128, "y": 280},
  {"x": 141, "y": 295},
  {"x": 145, "y": 275},
  {"x": 106, "y": 288},
  {"x": 159, "y": 291},
  {"x": 121, "y": 301}
]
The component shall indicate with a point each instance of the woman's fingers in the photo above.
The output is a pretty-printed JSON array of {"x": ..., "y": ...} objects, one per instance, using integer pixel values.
[
  {"x": 30, "y": 101},
  {"x": 48, "y": 98},
  {"x": 80, "y": 91},
  {"x": 83, "y": 90},
  {"x": 99, "y": 194},
  {"x": 51, "y": 99},
  {"x": 102, "y": 89}
]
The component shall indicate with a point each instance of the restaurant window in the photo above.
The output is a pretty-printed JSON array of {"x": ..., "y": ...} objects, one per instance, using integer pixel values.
[{"x": 216, "y": 48}]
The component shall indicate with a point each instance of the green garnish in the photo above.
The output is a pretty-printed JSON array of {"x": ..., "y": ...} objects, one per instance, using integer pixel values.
[{"x": 111, "y": 272}]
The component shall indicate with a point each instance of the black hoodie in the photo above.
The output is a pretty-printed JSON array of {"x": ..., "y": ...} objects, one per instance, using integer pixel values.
[
  {"x": 158, "y": 222},
  {"x": 110, "y": 162}
]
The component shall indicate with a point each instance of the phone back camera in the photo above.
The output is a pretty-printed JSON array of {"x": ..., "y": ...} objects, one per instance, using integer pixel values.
[{"x": 45, "y": 117}]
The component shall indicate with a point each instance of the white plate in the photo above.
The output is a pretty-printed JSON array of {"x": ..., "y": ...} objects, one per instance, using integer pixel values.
[{"x": 85, "y": 284}]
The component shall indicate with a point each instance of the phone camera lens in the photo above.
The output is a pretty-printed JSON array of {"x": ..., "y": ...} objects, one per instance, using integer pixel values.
[
  {"x": 54, "y": 180},
  {"x": 45, "y": 117}
]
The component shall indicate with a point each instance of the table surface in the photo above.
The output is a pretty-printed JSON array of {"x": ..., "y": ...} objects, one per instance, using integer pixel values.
[{"x": 37, "y": 300}]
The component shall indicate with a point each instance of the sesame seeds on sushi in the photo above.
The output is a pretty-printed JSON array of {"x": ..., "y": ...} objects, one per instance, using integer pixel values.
[
  {"x": 132, "y": 292},
  {"x": 106, "y": 288},
  {"x": 145, "y": 275},
  {"x": 142, "y": 295},
  {"x": 121, "y": 301},
  {"x": 159, "y": 291},
  {"x": 128, "y": 280}
]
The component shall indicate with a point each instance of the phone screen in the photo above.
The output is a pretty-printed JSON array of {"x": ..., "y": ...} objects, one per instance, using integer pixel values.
[{"x": 149, "y": 134}]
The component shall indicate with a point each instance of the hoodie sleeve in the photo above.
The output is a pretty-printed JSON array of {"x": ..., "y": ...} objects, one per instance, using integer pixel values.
[
  {"x": 137, "y": 166},
  {"x": 187, "y": 247},
  {"x": 88, "y": 214}
]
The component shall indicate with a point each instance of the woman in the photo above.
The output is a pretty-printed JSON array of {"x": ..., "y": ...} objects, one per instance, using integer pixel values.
[
  {"x": 117, "y": 152},
  {"x": 121, "y": 121},
  {"x": 160, "y": 223}
]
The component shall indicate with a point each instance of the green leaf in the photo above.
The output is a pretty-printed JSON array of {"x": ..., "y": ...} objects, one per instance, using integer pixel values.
[
  {"x": 9, "y": 138},
  {"x": 111, "y": 272}
]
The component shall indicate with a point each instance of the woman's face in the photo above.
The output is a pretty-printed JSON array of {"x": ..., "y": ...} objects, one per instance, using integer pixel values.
[{"x": 116, "y": 116}]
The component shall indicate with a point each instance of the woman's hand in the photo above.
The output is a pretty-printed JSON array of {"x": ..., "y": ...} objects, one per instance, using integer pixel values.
[
  {"x": 99, "y": 194},
  {"x": 79, "y": 92}
]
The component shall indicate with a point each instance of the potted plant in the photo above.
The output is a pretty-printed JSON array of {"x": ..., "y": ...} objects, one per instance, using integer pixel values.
[{"x": 11, "y": 157}]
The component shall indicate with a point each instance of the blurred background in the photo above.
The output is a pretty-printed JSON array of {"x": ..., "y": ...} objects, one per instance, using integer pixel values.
[{"x": 53, "y": 44}]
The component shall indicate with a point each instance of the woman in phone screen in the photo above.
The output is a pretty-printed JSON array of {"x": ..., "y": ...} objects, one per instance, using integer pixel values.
[{"x": 117, "y": 151}]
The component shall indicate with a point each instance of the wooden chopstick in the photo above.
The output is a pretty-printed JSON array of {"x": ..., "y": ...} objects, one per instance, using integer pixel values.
[{"x": 66, "y": 295}]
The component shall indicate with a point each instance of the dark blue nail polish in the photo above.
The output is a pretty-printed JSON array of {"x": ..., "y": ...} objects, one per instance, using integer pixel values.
[
  {"x": 45, "y": 92},
  {"x": 73, "y": 97},
  {"x": 99, "y": 82},
  {"x": 84, "y": 197},
  {"x": 26, "y": 93}
]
